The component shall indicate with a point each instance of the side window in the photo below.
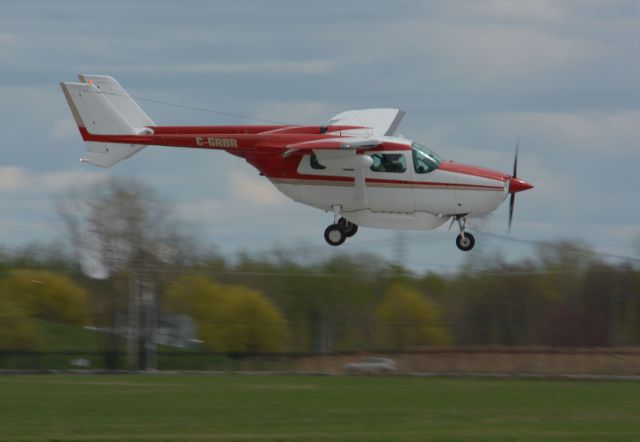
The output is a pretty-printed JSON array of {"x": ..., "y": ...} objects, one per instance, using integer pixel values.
[
  {"x": 389, "y": 162},
  {"x": 315, "y": 164}
]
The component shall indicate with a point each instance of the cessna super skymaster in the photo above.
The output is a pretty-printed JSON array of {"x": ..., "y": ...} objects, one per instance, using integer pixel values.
[{"x": 353, "y": 166}]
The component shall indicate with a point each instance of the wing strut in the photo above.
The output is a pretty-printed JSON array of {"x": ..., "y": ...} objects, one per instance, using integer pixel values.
[{"x": 362, "y": 163}]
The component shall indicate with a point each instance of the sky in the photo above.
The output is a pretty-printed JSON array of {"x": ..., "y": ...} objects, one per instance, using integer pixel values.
[{"x": 473, "y": 77}]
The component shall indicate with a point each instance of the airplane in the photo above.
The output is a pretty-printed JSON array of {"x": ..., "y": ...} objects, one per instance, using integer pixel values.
[{"x": 354, "y": 166}]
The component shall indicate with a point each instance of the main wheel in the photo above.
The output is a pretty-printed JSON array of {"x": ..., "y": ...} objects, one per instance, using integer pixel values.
[
  {"x": 335, "y": 235},
  {"x": 465, "y": 243},
  {"x": 349, "y": 228}
]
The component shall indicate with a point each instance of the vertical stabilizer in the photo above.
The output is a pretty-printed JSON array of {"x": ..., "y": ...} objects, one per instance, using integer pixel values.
[
  {"x": 104, "y": 108},
  {"x": 119, "y": 98}
]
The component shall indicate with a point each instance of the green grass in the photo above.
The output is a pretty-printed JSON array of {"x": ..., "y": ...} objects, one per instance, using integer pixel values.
[
  {"x": 58, "y": 344},
  {"x": 63, "y": 337},
  {"x": 303, "y": 408}
]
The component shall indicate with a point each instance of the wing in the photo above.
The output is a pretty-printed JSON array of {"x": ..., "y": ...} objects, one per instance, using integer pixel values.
[
  {"x": 344, "y": 144},
  {"x": 379, "y": 122}
]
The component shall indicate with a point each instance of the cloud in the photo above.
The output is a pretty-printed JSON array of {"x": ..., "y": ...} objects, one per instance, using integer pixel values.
[
  {"x": 619, "y": 232},
  {"x": 9, "y": 43},
  {"x": 304, "y": 67},
  {"x": 62, "y": 181},
  {"x": 488, "y": 52},
  {"x": 8, "y": 39},
  {"x": 13, "y": 178},
  {"x": 198, "y": 211},
  {"x": 8, "y": 223},
  {"x": 491, "y": 134},
  {"x": 504, "y": 10},
  {"x": 253, "y": 191},
  {"x": 586, "y": 132},
  {"x": 63, "y": 129},
  {"x": 298, "y": 112}
]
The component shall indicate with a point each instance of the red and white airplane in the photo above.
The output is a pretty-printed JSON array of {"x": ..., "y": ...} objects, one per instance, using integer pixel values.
[{"x": 353, "y": 166}]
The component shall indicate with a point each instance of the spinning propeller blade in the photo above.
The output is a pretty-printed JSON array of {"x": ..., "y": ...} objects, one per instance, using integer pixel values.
[
  {"x": 515, "y": 159},
  {"x": 513, "y": 185},
  {"x": 511, "y": 203}
]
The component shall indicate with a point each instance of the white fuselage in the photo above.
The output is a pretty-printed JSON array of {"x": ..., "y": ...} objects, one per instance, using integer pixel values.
[{"x": 401, "y": 199}]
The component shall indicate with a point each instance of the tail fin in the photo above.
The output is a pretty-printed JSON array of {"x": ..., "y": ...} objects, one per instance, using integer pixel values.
[
  {"x": 101, "y": 106},
  {"x": 120, "y": 99}
]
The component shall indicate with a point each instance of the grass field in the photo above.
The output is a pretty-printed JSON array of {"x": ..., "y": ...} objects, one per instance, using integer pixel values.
[{"x": 303, "y": 408}]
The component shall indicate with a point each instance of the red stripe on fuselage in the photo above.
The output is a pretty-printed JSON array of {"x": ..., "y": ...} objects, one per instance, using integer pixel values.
[{"x": 316, "y": 180}]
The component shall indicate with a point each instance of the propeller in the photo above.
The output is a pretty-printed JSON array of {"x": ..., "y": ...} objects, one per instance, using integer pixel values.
[
  {"x": 512, "y": 201},
  {"x": 516, "y": 184}
]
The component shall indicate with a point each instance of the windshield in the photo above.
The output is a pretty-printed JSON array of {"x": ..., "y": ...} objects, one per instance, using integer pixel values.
[{"x": 424, "y": 159}]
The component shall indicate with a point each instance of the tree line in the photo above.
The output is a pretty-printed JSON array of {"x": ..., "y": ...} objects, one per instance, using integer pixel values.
[{"x": 128, "y": 254}]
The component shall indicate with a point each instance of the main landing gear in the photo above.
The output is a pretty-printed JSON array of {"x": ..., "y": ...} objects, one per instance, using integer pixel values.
[
  {"x": 465, "y": 241},
  {"x": 338, "y": 232}
]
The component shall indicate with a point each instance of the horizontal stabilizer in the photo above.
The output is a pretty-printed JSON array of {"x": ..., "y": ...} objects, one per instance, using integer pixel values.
[{"x": 108, "y": 154}]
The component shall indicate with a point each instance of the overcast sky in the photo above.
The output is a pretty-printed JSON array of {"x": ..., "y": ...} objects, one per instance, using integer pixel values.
[{"x": 473, "y": 76}]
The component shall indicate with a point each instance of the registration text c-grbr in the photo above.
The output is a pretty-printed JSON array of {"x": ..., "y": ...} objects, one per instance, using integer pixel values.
[{"x": 216, "y": 142}]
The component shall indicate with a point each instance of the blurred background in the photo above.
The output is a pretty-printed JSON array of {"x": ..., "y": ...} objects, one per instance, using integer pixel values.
[
  {"x": 189, "y": 260},
  {"x": 133, "y": 289}
]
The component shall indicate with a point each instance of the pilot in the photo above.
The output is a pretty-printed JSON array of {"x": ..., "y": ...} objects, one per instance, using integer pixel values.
[{"x": 377, "y": 165}]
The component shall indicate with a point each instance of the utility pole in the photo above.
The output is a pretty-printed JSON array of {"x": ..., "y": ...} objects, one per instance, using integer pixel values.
[
  {"x": 400, "y": 248},
  {"x": 150, "y": 319},
  {"x": 134, "y": 322}
]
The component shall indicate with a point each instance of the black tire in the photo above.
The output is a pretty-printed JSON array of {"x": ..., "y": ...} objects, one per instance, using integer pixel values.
[
  {"x": 334, "y": 235},
  {"x": 467, "y": 243},
  {"x": 349, "y": 228}
]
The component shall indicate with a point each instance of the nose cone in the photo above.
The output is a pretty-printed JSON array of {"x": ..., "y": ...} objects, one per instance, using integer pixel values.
[{"x": 517, "y": 185}]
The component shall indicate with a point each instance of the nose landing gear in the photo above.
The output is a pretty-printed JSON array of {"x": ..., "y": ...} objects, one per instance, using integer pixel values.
[{"x": 465, "y": 241}]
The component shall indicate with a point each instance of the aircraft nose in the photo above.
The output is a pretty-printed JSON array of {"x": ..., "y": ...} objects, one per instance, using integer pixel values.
[{"x": 518, "y": 185}]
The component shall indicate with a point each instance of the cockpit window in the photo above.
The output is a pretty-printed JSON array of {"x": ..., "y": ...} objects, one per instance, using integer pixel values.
[
  {"x": 424, "y": 159},
  {"x": 388, "y": 162}
]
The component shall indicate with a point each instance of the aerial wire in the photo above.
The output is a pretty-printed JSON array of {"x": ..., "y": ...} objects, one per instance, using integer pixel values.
[
  {"x": 199, "y": 109},
  {"x": 537, "y": 242}
]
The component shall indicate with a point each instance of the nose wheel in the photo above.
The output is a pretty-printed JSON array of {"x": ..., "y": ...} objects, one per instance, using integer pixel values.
[{"x": 465, "y": 241}]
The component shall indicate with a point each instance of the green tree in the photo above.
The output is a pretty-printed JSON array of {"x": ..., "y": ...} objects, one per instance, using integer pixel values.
[
  {"x": 407, "y": 319},
  {"x": 121, "y": 231},
  {"x": 230, "y": 318},
  {"x": 27, "y": 295},
  {"x": 46, "y": 295},
  {"x": 17, "y": 329}
]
